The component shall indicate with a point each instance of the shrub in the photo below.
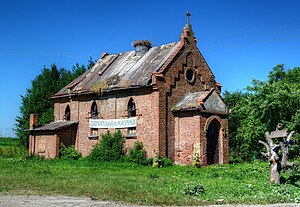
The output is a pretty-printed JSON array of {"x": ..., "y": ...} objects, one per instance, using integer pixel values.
[
  {"x": 193, "y": 189},
  {"x": 69, "y": 152},
  {"x": 110, "y": 148},
  {"x": 165, "y": 162},
  {"x": 137, "y": 154},
  {"x": 161, "y": 162}
]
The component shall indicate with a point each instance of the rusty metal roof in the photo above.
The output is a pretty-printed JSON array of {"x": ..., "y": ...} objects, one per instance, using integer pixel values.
[
  {"x": 54, "y": 126},
  {"x": 191, "y": 100},
  {"x": 208, "y": 101},
  {"x": 120, "y": 71}
]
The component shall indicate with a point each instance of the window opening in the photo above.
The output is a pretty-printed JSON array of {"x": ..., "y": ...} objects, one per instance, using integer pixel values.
[
  {"x": 94, "y": 115},
  {"x": 131, "y": 108},
  {"x": 94, "y": 111},
  {"x": 67, "y": 113},
  {"x": 189, "y": 75}
]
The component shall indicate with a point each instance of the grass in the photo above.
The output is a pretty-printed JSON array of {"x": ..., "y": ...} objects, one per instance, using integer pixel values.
[
  {"x": 9, "y": 147},
  {"x": 126, "y": 182},
  {"x": 130, "y": 183}
]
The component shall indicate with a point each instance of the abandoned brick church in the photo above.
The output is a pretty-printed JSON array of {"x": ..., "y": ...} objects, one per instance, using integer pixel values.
[{"x": 164, "y": 96}]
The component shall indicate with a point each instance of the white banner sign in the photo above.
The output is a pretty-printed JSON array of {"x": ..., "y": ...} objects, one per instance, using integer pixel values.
[{"x": 113, "y": 123}]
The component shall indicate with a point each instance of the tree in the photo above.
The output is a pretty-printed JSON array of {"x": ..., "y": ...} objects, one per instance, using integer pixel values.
[
  {"x": 260, "y": 107},
  {"x": 37, "y": 98}
]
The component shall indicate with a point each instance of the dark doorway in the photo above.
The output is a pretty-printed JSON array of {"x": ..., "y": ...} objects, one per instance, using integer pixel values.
[{"x": 213, "y": 142}]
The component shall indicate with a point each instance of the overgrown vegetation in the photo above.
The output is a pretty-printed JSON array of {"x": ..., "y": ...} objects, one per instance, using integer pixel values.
[
  {"x": 10, "y": 147},
  {"x": 132, "y": 183},
  {"x": 69, "y": 153},
  {"x": 138, "y": 155},
  {"x": 259, "y": 108},
  {"x": 110, "y": 148}
]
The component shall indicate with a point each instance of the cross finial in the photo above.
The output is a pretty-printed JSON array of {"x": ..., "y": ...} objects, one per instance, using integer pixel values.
[{"x": 188, "y": 14}]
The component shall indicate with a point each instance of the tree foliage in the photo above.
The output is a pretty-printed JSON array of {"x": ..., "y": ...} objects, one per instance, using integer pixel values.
[
  {"x": 259, "y": 108},
  {"x": 37, "y": 98}
]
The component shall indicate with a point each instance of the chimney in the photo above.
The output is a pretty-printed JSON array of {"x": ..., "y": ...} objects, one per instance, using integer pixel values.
[
  {"x": 141, "y": 47},
  {"x": 34, "y": 120}
]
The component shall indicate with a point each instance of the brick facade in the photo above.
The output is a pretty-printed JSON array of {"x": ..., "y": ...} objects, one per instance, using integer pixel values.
[{"x": 176, "y": 135}]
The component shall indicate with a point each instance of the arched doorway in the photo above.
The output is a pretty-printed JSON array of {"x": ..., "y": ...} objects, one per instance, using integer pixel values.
[{"x": 212, "y": 140}]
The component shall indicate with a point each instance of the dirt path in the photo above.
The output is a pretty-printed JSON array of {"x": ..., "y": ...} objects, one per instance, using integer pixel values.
[{"x": 41, "y": 201}]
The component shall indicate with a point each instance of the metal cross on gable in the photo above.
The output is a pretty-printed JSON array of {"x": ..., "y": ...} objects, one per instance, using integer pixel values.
[{"x": 188, "y": 14}]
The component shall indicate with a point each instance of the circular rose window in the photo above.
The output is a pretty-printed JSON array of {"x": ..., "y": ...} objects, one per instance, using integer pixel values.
[{"x": 189, "y": 75}]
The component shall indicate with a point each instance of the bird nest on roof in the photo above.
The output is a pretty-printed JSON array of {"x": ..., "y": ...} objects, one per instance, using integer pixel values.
[{"x": 142, "y": 43}]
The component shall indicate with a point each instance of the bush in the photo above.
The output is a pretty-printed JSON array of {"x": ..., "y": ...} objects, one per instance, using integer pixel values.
[
  {"x": 137, "y": 154},
  {"x": 110, "y": 148},
  {"x": 165, "y": 162},
  {"x": 193, "y": 189},
  {"x": 161, "y": 162},
  {"x": 68, "y": 153}
]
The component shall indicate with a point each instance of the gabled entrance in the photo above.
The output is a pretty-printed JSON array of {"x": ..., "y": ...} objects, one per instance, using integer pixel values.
[{"x": 213, "y": 145}]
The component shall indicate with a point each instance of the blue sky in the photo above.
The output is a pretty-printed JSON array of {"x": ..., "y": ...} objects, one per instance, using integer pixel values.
[{"x": 240, "y": 39}]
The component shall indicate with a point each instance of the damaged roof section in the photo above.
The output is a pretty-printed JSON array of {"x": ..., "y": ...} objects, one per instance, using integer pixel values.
[
  {"x": 120, "y": 71},
  {"x": 54, "y": 126},
  {"x": 207, "y": 101}
]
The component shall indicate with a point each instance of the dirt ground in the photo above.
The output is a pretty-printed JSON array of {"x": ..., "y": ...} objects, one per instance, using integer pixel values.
[{"x": 40, "y": 201}]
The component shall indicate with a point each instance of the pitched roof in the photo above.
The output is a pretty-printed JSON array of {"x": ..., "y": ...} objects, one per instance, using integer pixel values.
[
  {"x": 120, "y": 71},
  {"x": 208, "y": 101},
  {"x": 54, "y": 126}
]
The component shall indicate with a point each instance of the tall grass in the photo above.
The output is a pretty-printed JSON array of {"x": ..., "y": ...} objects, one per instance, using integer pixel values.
[{"x": 10, "y": 148}]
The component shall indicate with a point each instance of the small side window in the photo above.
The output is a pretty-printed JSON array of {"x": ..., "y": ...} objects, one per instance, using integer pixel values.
[
  {"x": 94, "y": 115},
  {"x": 67, "y": 116},
  {"x": 94, "y": 111},
  {"x": 131, "y": 131}
]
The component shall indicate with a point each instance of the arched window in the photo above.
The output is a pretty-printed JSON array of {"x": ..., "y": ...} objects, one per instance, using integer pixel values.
[
  {"x": 94, "y": 115},
  {"x": 94, "y": 111},
  {"x": 67, "y": 113},
  {"x": 131, "y": 108},
  {"x": 131, "y": 133}
]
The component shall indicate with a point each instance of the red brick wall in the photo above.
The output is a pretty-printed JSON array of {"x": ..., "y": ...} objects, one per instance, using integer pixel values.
[
  {"x": 67, "y": 136},
  {"x": 156, "y": 123},
  {"x": 44, "y": 145},
  {"x": 187, "y": 137},
  {"x": 174, "y": 86},
  {"x": 190, "y": 133},
  {"x": 114, "y": 106}
]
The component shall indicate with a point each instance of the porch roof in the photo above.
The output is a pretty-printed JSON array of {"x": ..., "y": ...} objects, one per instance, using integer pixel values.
[{"x": 54, "y": 126}]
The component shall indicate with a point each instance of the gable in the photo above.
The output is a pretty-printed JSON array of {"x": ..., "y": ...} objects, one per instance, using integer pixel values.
[
  {"x": 206, "y": 101},
  {"x": 214, "y": 102}
]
